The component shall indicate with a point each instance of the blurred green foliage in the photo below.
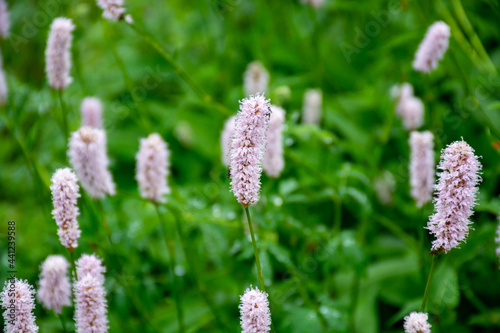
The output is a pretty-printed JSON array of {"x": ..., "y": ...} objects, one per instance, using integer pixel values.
[{"x": 335, "y": 259}]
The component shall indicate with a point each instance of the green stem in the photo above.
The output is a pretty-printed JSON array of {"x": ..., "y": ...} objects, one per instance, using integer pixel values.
[
  {"x": 63, "y": 323},
  {"x": 202, "y": 95},
  {"x": 428, "y": 285},
  {"x": 337, "y": 225},
  {"x": 73, "y": 263},
  {"x": 256, "y": 251},
  {"x": 171, "y": 252},
  {"x": 64, "y": 115},
  {"x": 471, "y": 33}
]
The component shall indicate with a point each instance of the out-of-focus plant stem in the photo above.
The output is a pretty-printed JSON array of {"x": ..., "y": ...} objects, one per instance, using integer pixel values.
[
  {"x": 428, "y": 285},
  {"x": 471, "y": 33},
  {"x": 171, "y": 251},
  {"x": 63, "y": 323},
  {"x": 73, "y": 263},
  {"x": 202, "y": 95},
  {"x": 64, "y": 115},
  {"x": 256, "y": 251}
]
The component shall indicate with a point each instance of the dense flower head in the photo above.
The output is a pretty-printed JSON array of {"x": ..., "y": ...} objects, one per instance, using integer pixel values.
[
  {"x": 18, "y": 300},
  {"x": 88, "y": 156},
  {"x": 312, "y": 105},
  {"x": 254, "y": 311},
  {"x": 65, "y": 194},
  {"x": 225, "y": 140},
  {"x": 273, "y": 162},
  {"x": 91, "y": 109},
  {"x": 3, "y": 84},
  {"x": 54, "y": 289},
  {"x": 456, "y": 196},
  {"x": 90, "y": 305},
  {"x": 408, "y": 107},
  {"x": 247, "y": 148},
  {"x": 153, "y": 168},
  {"x": 432, "y": 48},
  {"x": 57, "y": 54},
  {"x": 91, "y": 264},
  {"x": 497, "y": 239},
  {"x": 4, "y": 20},
  {"x": 421, "y": 166},
  {"x": 313, "y": 3},
  {"x": 255, "y": 79},
  {"x": 113, "y": 9},
  {"x": 416, "y": 322}
]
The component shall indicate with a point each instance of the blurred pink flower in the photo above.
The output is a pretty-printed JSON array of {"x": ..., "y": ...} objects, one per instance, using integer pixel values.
[
  {"x": 65, "y": 194},
  {"x": 113, "y": 9},
  {"x": 255, "y": 79},
  {"x": 54, "y": 287},
  {"x": 153, "y": 168},
  {"x": 91, "y": 110},
  {"x": 226, "y": 138},
  {"x": 312, "y": 105},
  {"x": 421, "y": 166},
  {"x": 4, "y": 20},
  {"x": 432, "y": 48},
  {"x": 254, "y": 311},
  {"x": 247, "y": 148},
  {"x": 416, "y": 322},
  {"x": 456, "y": 196},
  {"x": 273, "y": 162},
  {"x": 18, "y": 300},
  {"x": 3, "y": 84},
  {"x": 87, "y": 154},
  {"x": 57, "y": 54}
]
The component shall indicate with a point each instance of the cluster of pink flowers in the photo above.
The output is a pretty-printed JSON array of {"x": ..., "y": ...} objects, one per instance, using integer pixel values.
[
  {"x": 90, "y": 296},
  {"x": 57, "y": 54},
  {"x": 3, "y": 84},
  {"x": 153, "y": 168},
  {"x": 91, "y": 110},
  {"x": 247, "y": 148},
  {"x": 112, "y": 9},
  {"x": 255, "y": 79},
  {"x": 432, "y": 48},
  {"x": 421, "y": 166},
  {"x": 312, "y": 106},
  {"x": 456, "y": 196},
  {"x": 274, "y": 162},
  {"x": 64, "y": 196},
  {"x": 408, "y": 107},
  {"x": 54, "y": 287},
  {"x": 416, "y": 322},
  {"x": 4, "y": 20},
  {"x": 88, "y": 156},
  {"x": 18, "y": 300},
  {"x": 254, "y": 311}
]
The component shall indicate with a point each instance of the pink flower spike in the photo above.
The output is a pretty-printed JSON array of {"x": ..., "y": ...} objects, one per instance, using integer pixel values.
[
  {"x": 4, "y": 20},
  {"x": 18, "y": 300},
  {"x": 90, "y": 264},
  {"x": 273, "y": 162},
  {"x": 247, "y": 148},
  {"x": 90, "y": 306},
  {"x": 64, "y": 196},
  {"x": 456, "y": 196},
  {"x": 112, "y": 9},
  {"x": 57, "y": 54},
  {"x": 312, "y": 105},
  {"x": 153, "y": 168},
  {"x": 226, "y": 138},
  {"x": 416, "y": 322},
  {"x": 54, "y": 287},
  {"x": 91, "y": 110},
  {"x": 88, "y": 156},
  {"x": 421, "y": 166},
  {"x": 254, "y": 311},
  {"x": 255, "y": 79},
  {"x": 432, "y": 48}
]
